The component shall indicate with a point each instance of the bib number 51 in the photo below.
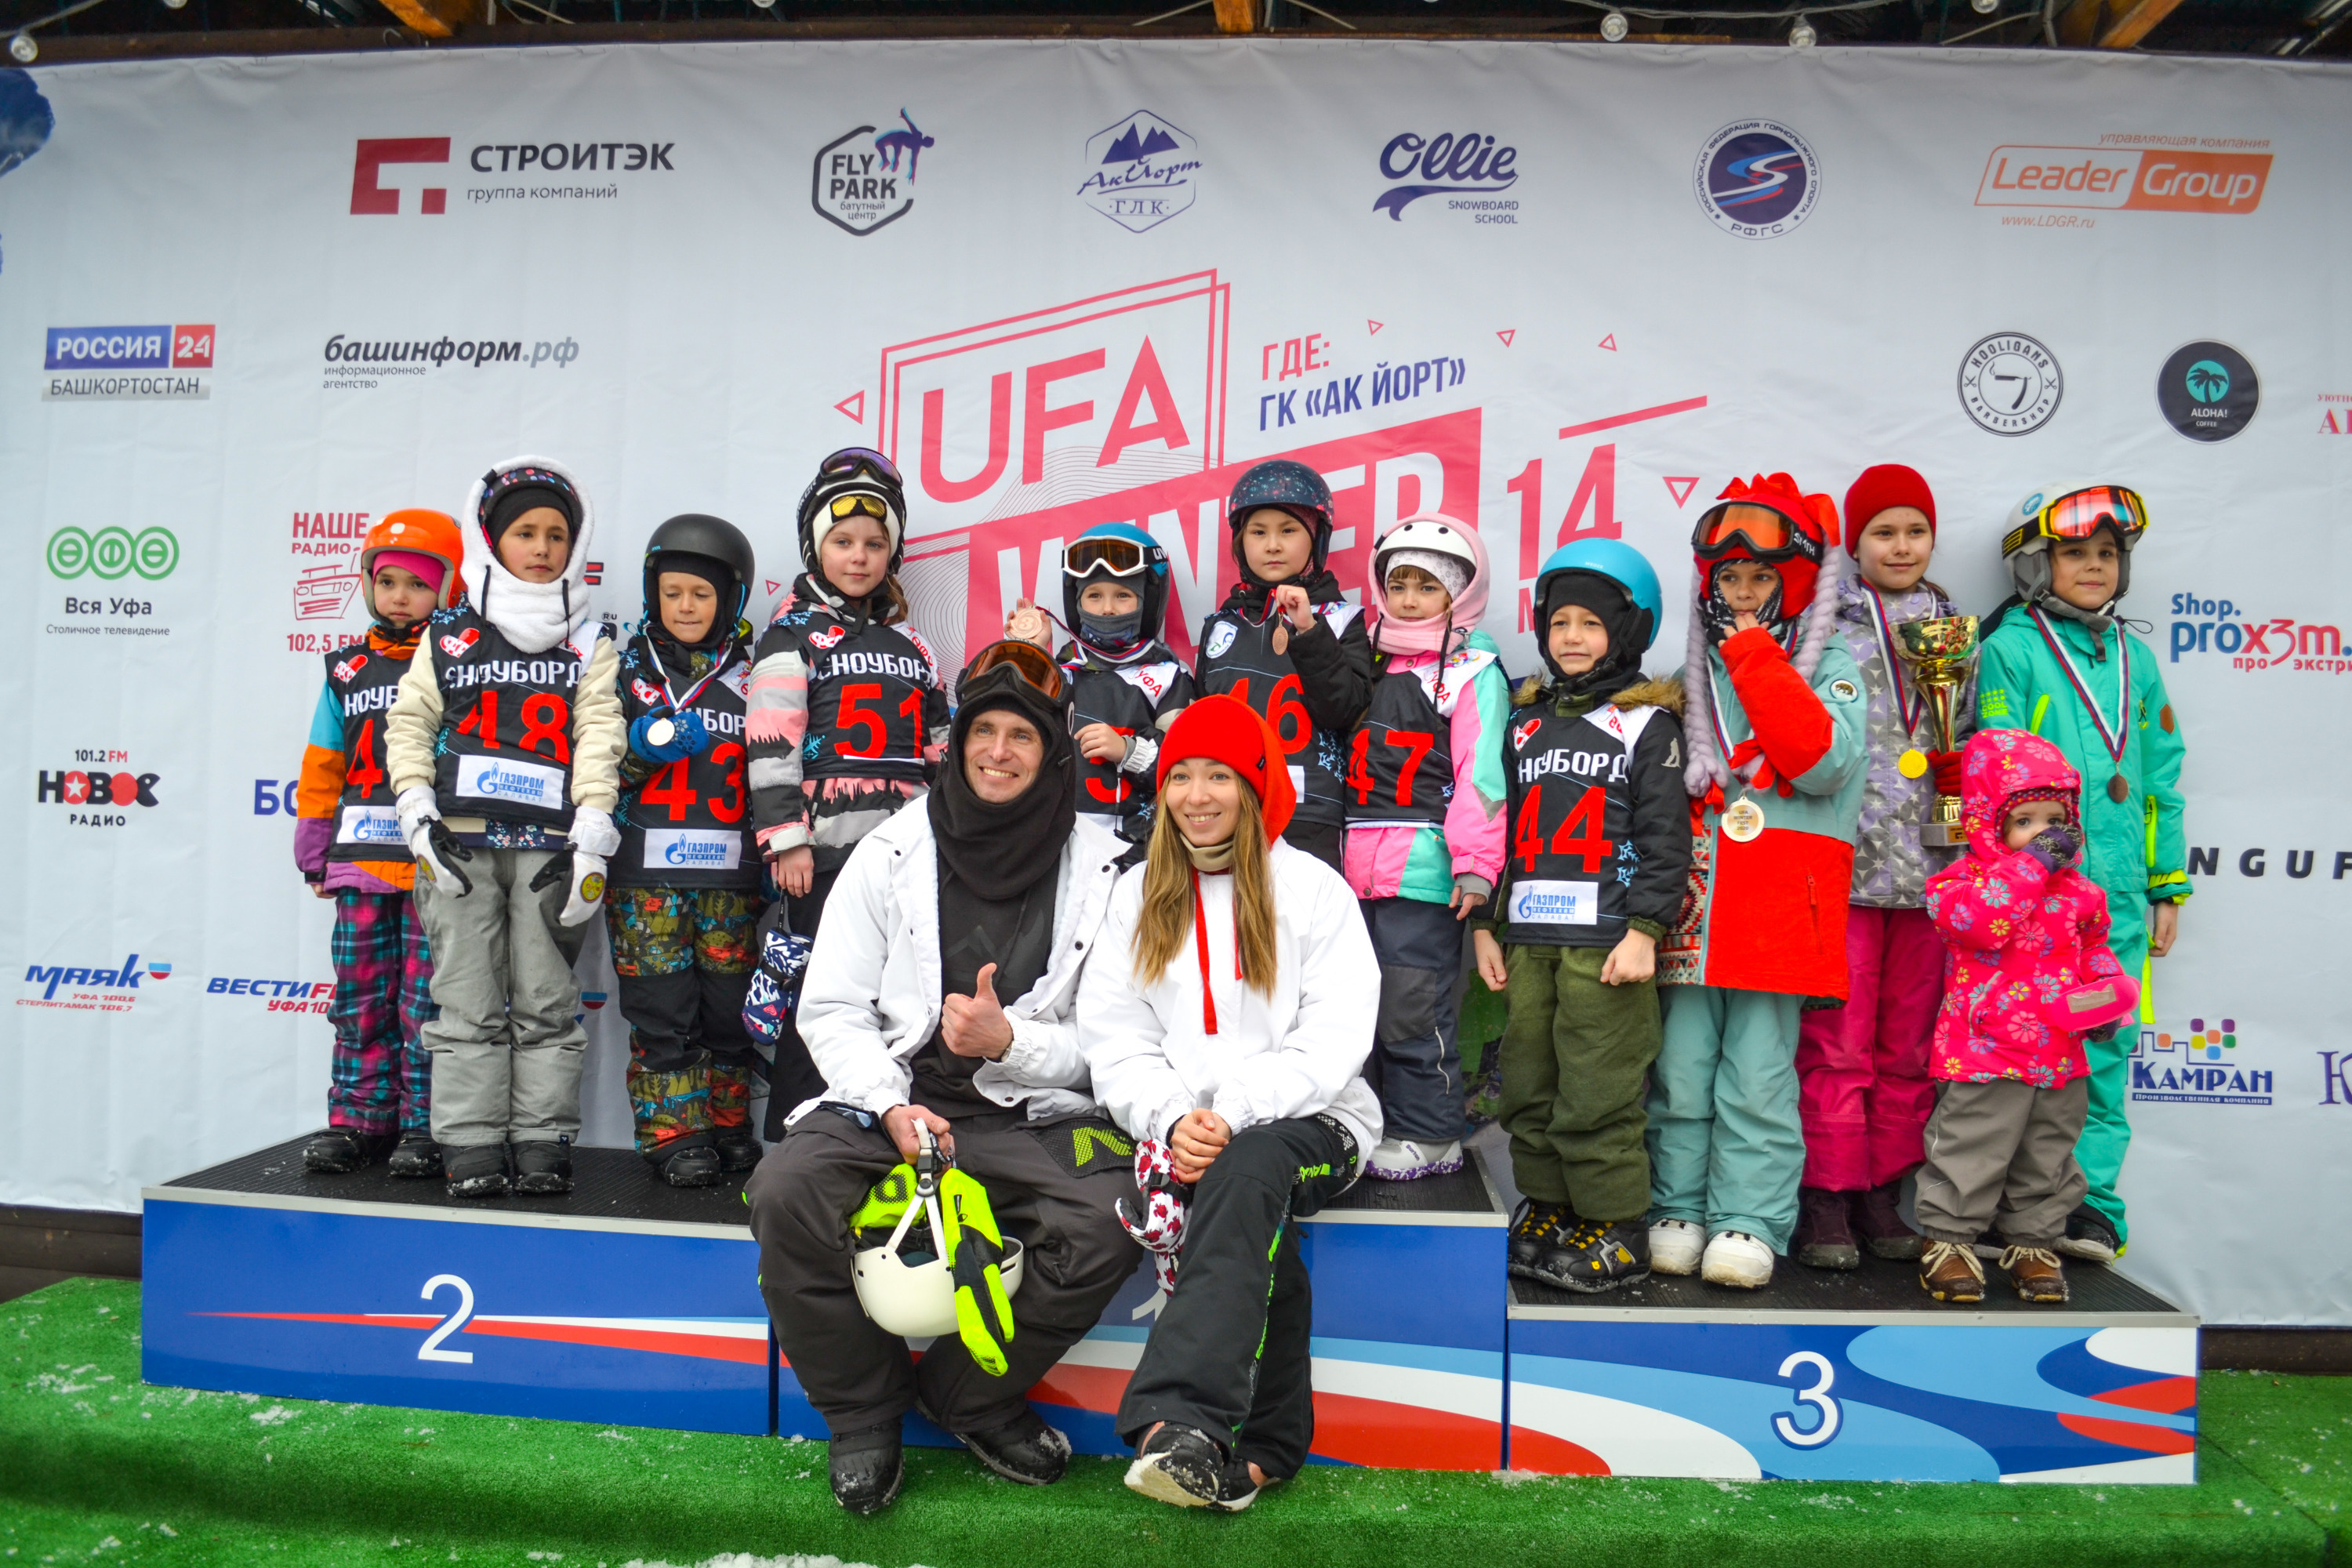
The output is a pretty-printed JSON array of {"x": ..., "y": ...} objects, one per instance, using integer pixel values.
[{"x": 1818, "y": 1396}]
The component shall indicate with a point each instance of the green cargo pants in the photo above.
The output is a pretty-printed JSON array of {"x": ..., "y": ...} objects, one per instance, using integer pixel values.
[{"x": 1573, "y": 1055}]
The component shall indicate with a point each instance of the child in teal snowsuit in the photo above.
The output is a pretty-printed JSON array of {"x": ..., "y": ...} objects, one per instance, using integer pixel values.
[{"x": 2056, "y": 662}]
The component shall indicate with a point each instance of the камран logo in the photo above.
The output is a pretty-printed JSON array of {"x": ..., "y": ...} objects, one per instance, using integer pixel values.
[
  {"x": 1757, "y": 179},
  {"x": 2011, "y": 384},
  {"x": 2208, "y": 391},
  {"x": 861, "y": 182}
]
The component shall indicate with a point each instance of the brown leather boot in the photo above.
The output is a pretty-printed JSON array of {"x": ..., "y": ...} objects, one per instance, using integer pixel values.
[
  {"x": 1878, "y": 1222},
  {"x": 1824, "y": 1237},
  {"x": 1950, "y": 1272},
  {"x": 2036, "y": 1272}
]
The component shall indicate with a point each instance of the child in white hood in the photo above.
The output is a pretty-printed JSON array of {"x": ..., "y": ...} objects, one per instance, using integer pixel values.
[{"x": 509, "y": 723}]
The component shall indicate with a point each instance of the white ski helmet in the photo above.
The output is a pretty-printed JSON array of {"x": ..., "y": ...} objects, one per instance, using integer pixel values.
[
  {"x": 1428, "y": 536},
  {"x": 2069, "y": 512}
]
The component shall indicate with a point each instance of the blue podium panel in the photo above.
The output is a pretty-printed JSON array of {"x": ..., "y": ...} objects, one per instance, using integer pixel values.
[
  {"x": 574, "y": 1319},
  {"x": 1680, "y": 1382}
]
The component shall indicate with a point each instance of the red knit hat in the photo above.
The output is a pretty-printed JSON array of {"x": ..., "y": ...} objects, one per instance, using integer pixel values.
[
  {"x": 1883, "y": 486},
  {"x": 1229, "y": 730}
]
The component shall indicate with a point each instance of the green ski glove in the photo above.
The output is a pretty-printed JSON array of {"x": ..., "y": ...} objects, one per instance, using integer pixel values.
[{"x": 975, "y": 1249}]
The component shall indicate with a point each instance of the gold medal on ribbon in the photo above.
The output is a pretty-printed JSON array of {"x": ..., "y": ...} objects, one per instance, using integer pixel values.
[
  {"x": 1742, "y": 821},
  {"x": 1912, "y": 763}
]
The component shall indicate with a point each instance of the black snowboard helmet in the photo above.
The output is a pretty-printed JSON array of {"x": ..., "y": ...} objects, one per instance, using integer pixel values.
[
  {"x": 711, "y": 540},
  {"x": 1291, "y": 486}
]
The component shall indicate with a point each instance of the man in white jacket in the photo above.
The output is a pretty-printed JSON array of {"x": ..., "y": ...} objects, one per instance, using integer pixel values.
[{"x": 991, "y": 887}]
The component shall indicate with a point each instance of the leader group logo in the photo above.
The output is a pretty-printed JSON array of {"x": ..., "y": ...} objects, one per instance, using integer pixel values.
[
  {"x": 2207, "y": 1065},
  {"x": 2011, "y": 384},
  {"x": 1757, "y": 179},
  {"x": 2208, "y": 391},
  {"x": 127, "y": 365},
  {"x": 1140, "y": 171},
  {"x": 92, "y": 988},
  {"x": 865, "y": 179}
]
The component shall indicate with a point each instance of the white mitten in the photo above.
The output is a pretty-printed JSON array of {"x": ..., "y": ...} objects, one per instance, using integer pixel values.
[
  {"x": 594, "y": 830},
  {"x": 587, "y": 888},
  {"x": 427, "y": 837}
]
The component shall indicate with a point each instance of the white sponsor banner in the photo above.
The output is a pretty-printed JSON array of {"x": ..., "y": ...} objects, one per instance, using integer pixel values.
[
  {"x": 692, "y": 849},
  {"x": 1554, "y": 290}
]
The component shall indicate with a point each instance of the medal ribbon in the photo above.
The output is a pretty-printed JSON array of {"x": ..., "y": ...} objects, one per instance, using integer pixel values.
[
  {"x": 1909, "y": 708},
  {"x": 1735, "y": 757},
  {"x": 2116, "y": 738},
  {"x": 677, "y": 703}
]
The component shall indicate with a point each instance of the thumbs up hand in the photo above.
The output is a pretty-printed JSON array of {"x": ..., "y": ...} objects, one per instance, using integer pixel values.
[{"x": 976, "y": 1026}]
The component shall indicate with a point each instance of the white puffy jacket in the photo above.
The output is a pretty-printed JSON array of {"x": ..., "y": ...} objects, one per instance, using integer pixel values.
[
  {"x": 1299, "y": 1052},
  {"x": 870, "y": 999}
]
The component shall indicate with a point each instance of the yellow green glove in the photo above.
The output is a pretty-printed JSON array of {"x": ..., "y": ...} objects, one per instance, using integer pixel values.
[
  {"x": 974, "y": 1249},
  {"x": 887, "y": 1203}
]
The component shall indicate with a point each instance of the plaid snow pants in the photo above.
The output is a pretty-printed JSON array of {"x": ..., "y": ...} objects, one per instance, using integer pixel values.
[{"x": 381, "y": 1078}]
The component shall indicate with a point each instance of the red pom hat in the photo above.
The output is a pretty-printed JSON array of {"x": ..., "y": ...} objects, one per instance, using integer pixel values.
[
  {"x": 1885, "y": 485},
  {"x": 1813, "y": 528},
  {"x": 1229, "y": 730}
]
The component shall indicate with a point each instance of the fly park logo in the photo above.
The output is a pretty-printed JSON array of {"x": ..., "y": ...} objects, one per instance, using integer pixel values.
[{"x": 2199, "y": 1068}]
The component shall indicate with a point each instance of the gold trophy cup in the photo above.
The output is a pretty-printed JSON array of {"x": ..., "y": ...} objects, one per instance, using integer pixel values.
[{"x": 1939, "y": 650}]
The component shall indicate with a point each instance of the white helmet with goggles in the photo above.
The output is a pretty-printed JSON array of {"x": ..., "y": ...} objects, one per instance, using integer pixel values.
[{"x": 2055, "y": 513}]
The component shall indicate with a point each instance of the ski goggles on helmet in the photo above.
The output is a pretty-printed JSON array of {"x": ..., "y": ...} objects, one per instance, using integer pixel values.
[
  {"x": 851, "y": 460},
  {"x": 1025, "y": 659},
  {"x": 2082, "y": 515},
  {"x": 1119, "y": 557},
  {"x": 857, "y": 501},
  {"x": 1762, "y": 533}
]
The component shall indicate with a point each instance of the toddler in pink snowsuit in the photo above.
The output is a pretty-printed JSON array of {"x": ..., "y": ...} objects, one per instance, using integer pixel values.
[{"x": 2026, "y": 932}]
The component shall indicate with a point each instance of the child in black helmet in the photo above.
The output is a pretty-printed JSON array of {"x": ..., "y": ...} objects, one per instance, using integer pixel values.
[
  {"x": 685, "y": 880},
  {"x": 847, "y": 714},
  {"x": 1290, "y": 645},
  {"x": 1127, "y": 687}
]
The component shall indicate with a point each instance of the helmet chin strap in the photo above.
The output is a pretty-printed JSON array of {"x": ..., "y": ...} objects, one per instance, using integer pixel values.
[{"x": 2029, "y": 573}]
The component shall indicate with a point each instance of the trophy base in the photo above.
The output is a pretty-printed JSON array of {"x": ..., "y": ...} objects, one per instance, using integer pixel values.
[{"x": 1943, "y": 829}]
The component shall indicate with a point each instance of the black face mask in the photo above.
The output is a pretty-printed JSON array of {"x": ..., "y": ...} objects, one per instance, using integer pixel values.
[
  {"x": 1113, "y": 633},
  {"x": 995, "y": 848}
]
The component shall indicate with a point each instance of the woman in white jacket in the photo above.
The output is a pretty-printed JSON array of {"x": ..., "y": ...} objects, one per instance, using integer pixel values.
[
  {"x": 1225, "y": 1016},
  {"x": 990, "y": 886}
]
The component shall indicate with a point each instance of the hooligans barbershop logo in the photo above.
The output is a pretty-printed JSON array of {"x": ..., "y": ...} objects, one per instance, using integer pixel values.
[
  {"x": 2208, "y": 391},
  {"x": 1757, "y": 179},
  {"x": 2011, "y": 384},
  {"x": 85, "y": 990},
  {"x": 96, "y": 791},
  {"x": 1140, "y": 172},
  {"x": 2199, "y": 1068},
  {"x": 862, "y": 181},
  {"x": 127, "y": 365},
  {"x": 1470, "y": 165}
]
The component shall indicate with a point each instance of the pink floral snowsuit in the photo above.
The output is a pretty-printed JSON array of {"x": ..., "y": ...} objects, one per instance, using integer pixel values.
[{"x": 2018, "y": 937}]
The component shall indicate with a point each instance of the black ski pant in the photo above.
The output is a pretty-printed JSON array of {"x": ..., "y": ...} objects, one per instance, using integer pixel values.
[
  {"x": 1231, "y": 1353},
  {"x": 857, "y": 1374}
]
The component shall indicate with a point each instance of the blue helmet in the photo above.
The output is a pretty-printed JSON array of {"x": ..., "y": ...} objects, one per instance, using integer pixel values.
[
  {"x": 1116, "y": 553},
  {"x": 1622, "y": 565}
]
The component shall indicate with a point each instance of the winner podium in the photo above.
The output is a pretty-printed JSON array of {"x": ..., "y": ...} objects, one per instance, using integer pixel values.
[{"x": 630, "y": 1304}]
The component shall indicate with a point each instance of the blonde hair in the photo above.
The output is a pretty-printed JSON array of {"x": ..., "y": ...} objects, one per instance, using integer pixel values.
[{"x": 1165, "y": 920}]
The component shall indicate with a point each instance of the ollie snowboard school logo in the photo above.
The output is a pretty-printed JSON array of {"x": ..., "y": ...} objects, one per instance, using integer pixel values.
[
  {"x": 1757, "y": 179},
  {"x": 1140, "y": 172},
  {"x": 862, "y": 181}
]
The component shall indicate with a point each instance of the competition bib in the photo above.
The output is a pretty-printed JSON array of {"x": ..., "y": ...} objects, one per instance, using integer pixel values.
[
  {"x": 1555, "y": 903},
  {"x": 692, "y": 849},
  {"x": 369, "y": 824},
  {"x": 482, "y": 777}
]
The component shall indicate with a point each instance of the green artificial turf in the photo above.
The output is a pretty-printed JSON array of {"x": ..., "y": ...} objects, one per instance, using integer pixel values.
[{"x": 96, "y": 1467}]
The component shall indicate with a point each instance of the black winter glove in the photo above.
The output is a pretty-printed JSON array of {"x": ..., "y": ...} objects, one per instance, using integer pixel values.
[{"x": 2056, "y": 847}]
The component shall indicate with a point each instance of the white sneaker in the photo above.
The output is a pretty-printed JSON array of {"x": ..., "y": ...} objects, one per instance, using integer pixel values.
[
  {"x": 1735, "y": 1257},
  {"x": 1402, "y": 1160},
  {"x": 1674, "y": 1246}
]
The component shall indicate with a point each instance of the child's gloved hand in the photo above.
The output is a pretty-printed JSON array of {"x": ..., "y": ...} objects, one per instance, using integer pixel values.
[
  {"x": 2056, "y": 847},
  {"x": 431, "y": 842},
  {"x": 2103, "y": 1034},
  {"x": 592, "y": 829},
  {"x": 585, "y": 873},
  {"x": 679, "y": 735},
  {"x": 1947, "y": 767}
]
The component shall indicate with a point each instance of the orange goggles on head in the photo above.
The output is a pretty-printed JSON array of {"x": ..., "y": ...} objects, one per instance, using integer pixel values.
[
  {"x": 1766, "y": 532},
  {"x": 1023, "y": 659},
  {"x": 2084, "y": 513}
]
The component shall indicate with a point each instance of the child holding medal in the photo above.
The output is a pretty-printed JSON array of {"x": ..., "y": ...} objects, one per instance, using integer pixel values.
[
  {"x": 1774, "y": 722},
  {"x": 1861, "y": 1069},
  {"x": 2055, "y": 661},
  {"x": 686, "y": 883}
]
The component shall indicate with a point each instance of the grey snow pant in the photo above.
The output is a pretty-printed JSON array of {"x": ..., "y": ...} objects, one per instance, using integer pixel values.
[
  {"x": 508, "y": 1048},
  {"x": 2002, "y": 1154}
]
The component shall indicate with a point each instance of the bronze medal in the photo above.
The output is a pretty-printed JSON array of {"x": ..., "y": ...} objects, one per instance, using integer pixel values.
[{"x": 2119, "y": 790}]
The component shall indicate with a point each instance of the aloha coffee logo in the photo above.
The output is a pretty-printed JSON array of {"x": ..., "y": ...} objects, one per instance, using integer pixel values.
[
  {"x": 2011, "y": 384},
  {"x": 1757, "y": 179},
  {"x": 2208, "y": 391},
  {"x": 865, "y": 179}
]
